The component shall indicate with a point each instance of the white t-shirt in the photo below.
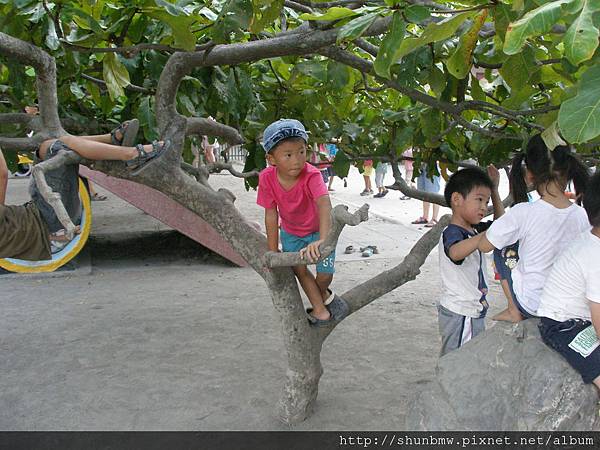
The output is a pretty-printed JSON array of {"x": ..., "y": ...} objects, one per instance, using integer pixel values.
[
  {"x": 463, "y": 282},
  {"x": 573, "y": 280},
  {"x": 543, "y": 231}
]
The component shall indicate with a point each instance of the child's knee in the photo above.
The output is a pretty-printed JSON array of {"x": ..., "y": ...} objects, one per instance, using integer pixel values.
[
  {"x": 324, "y": 277},
  {"x": 44, "y": 146}
]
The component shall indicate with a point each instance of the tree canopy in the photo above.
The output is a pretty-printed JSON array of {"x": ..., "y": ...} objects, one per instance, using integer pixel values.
[{"x": 456, "y": 79}]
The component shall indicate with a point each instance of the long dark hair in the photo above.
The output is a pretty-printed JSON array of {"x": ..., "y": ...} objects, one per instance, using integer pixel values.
[{"x": 545, "y": 166}]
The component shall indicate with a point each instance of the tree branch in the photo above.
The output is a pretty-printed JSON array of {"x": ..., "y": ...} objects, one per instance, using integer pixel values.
[
  {"x": 407, "y": 270},
  {"x": 209, "y": 127},
  {"x": 289, "y": 43},
  {"x": 62, "y": 158},
  {"x": 45, "y": 70},
  {"x": 130, "y": 87},
  {"x": 340, "y": 218}
]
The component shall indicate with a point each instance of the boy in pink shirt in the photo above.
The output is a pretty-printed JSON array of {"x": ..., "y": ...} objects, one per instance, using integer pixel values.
[{"x": 297, "y": 208}]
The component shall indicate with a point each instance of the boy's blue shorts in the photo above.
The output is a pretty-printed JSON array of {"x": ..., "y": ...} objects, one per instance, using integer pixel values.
[{"x": 293, "y": 243}]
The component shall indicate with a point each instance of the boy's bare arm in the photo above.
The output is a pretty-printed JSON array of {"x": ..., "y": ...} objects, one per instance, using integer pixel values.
[
  {"x": 3, "y": 178},
  {"x": 484, "y": 245},
  {"x": 595, "y": 310},
  {"x": 272, "y": 227},
  {"x": 464, "y": 248},
  {"x": 312, "y": 250},
  {"x": 496, "y": 200}
]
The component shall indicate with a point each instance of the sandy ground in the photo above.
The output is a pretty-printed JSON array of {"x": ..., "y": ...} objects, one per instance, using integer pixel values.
[{"x": 163, "y": 335}]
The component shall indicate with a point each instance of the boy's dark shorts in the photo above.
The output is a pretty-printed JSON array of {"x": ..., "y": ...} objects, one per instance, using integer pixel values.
[{"x": 558, "y": 336}]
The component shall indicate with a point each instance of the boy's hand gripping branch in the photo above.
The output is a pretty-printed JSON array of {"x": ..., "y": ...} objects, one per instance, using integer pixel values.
[{"x": 340, "y": 217}]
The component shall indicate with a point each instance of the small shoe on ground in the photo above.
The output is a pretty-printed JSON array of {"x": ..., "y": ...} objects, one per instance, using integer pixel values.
[
  {"x": 384, "y": 193},
  {"x": 420, "y": 221},
  {"x": 98, "y": 197},
  {"x": 369, "y": 250},
  {"x": 432, "y": 223},
  {"x": 378, "y": 195},
  {"x": 145, "y": 158},
  {"x": 349, "y": 249},
  {"x": 345, "y": 183},
  {"x": 128, "y": 131},
  {"x": 330, "y": 189},
  {"x": 365, "y": 192},
  {"x": 405, "y": 197}
]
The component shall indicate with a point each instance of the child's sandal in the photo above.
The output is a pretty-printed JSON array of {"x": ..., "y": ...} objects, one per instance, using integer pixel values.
[
  {"x": 128, "y": 131},
  {"x": 144, "y": 158}
]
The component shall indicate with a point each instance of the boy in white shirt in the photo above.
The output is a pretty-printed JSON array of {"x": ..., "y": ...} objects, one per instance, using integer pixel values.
[
  {"x": 462, "y": 308},
  {"x": 570, "y": 303}
]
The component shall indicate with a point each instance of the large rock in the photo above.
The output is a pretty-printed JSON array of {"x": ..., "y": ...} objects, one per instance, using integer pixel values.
[{"x": 505, "y": 379}]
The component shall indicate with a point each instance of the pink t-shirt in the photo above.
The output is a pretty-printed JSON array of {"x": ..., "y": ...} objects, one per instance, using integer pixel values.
[{"x": 297, "y": 207}]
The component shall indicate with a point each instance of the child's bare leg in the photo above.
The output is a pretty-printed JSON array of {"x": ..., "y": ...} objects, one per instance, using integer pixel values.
[
  {"x": 324, "y": 281},
  {"x": 313, "y": 292},
  {"x": 105, "y": 138},
  {"x": 512, "y": 313},
  {"x": 98, "y": 151},
  {"x": 597, "y": 382},
  {"x": 426, "y": 210}
]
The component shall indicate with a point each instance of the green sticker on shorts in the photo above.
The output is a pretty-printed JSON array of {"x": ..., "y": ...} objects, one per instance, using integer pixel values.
[{"x": 585, "y": 342}]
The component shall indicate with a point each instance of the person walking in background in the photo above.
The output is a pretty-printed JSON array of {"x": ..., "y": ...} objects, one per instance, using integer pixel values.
[
  {"x": 380, "y": 172},
  {"x": 332, "y": 151},
  {"x": 428, "y": 183},
  {"x": 408, "y": 170},
  {"x": 207, "y": 147},
  {"x": 367, "y": 173}
]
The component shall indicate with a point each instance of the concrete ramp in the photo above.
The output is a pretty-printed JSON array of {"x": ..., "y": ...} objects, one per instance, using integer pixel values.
[{"x": 168, "y": 211}]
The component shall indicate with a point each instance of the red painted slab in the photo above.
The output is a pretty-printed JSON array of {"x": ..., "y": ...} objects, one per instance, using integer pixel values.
[{"x": 168, "y": 211}]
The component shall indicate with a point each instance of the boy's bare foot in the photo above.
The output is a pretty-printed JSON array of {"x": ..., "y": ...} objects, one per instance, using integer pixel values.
[{"x": 508, "y": 316}]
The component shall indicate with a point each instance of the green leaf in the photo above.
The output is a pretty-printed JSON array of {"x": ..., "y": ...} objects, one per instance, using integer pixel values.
[
  {"x": 503, "y": 15},
  {"x": 435, "y": 32},
  {"x": 579, "y": 117},
  {"x": 338, "y": 75},
  {"x": 76, "y": 90},
  {"x": 147, "y": 119},
  {"x": 174, "y": 10},
  {"x": 180, "y": 26},
  {"x": 416, "y": 13},
  {"x": 551, "y": 137},
  {"x": 518, "y": 69},
  {"x": 431, "y": 122},
  {"x": 265, "y": 13},
  {"x": 356, "y": 27},
  {"x": 313, "y": 68},
  {"x": 334, "y": 13},
  {"x": 534, "y": 23},
  {"x": 115, "y": 75},
  {"x": 234, "y": 17},
  {"x": 437, "y": 80},
  {"x": 459, "y": 64},
  {"x": 387, "y": 54},
  {"x": 341, "y": 164},
  {"x": 581, "y": 39},
  {"x": 476, "y": 90},
  {"x": 51, "y": 38}
]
